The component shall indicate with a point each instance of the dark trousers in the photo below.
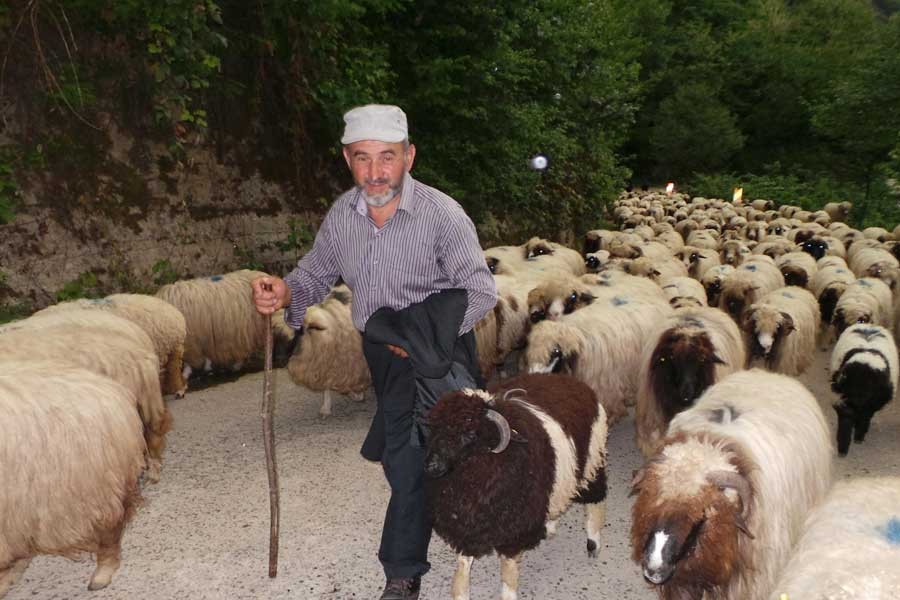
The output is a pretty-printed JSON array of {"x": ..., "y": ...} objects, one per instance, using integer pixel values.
[{"x": 407, "y": 524}]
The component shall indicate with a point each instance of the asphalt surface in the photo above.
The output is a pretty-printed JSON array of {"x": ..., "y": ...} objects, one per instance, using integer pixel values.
[{"x": 203, "y": 530}]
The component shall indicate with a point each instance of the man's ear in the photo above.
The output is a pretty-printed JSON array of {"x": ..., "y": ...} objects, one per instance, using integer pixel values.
[
  {"x": 410, "y": 157},
  {"x": 346, "y": 153}
]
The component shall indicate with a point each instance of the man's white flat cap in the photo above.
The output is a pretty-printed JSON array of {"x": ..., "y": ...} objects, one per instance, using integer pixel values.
[{"x": 378, "y": 122}]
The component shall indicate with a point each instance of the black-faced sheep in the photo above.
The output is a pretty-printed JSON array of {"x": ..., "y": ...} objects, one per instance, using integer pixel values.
[
  {"x": 722, "y": 503},
  {"x": 547, "y": 429},
  {"x": 850, "y": 547},
  {"x": 72, "y": 452},
  {"x": 749, "y": 282},
  {"x": 600, "y": 345},
  {"x": 864, "y": 373},
  {"x": 691, "y": 350},
  {"x": 781, "y": 329},
  {"x": 329, "y": 357},
  {"x": 160, "y": 320},
  {"x": 866, "y": 300}
]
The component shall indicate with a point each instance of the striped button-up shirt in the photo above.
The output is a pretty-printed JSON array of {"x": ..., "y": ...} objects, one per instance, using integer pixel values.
[{"x": 429, "y": 244}]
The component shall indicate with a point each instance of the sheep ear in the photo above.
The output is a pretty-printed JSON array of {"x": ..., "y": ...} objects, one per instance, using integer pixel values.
[
  {"x": 637, "y": 476},
  {"x": 787, "y": 322},
  {"x": 587, "y": 298},
  {"x": 747, "y": 319},
  {"x": 718, "y": 361}
]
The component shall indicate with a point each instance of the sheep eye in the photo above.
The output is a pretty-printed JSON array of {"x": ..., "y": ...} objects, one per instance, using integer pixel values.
[
  {"x": 557, "y": 353},
  {"x": 537, "y": 316}
]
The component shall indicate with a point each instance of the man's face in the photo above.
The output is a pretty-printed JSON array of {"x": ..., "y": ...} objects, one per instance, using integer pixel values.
[{"x": 378, "y": 168}]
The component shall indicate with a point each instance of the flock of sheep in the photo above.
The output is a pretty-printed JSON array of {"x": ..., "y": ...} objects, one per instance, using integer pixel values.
[{"x": 697, "y": 312}]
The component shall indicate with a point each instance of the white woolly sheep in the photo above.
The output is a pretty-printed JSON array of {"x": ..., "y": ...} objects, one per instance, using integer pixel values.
[
  {"x": 223, "y": 327},
  {"x": 733, "y": 252},
  {"x": 655, "y": 269},
  {"x": 566, "y": 258},
  {"x": 683, "y": 292},
  {"x": 72, "y": 452},
  {"x": 798, "y": 268},
  {"x": 722, "y": 503},
  {"x": 877, "y": 233},
  {"x": 875, "y": 262},
  {"x": 690, "y": 351},
  {"x": 850, "y": 547},
  {"x": 329, "y": 357},
  {"x": 712, "y": 282},
  {"x": 163, "y": 323},
  {"x": 749, "y": 282},
  {"x": 828, "y": 285},
  {"x": 105, "y": 344},
  {"x": 773, "y": 247},
  {"x": 864, "y": 373},
  {"x": 866, "y": 300},
  {"x": 838, "y": 211},
  {"x": 549, "y": 426},
  {"x": 600, "y": 345},
  {"x": 781, "y": 329},
  {"x": 697, "y": 260}
]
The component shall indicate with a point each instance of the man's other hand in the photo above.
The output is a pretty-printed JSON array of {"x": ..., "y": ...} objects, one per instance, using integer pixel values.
[{"x": 398, "y": 351}]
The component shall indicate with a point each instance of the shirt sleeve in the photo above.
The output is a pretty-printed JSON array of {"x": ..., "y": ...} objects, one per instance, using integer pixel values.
[
  {"x": 463, "y": 262},
  {"x": 313, "y": 277}
]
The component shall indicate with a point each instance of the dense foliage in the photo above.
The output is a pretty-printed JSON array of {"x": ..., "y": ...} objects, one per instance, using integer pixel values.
[{"x": 798, "y": 100}]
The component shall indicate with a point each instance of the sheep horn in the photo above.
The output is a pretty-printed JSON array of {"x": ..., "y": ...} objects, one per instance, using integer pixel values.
[
  {"x": 510, "y": 391},
  {"x": 737, "y": 482},
  {"x": 503, "y": 426}
]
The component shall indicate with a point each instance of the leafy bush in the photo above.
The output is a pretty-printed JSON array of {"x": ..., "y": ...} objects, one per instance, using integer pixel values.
[{"x": 85, "y": 285}]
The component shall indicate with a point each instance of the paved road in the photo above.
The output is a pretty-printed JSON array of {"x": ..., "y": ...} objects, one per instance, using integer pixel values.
[{"x": 203, "y": 531}]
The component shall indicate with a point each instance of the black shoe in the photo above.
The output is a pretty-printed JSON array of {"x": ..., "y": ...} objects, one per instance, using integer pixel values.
[{"x": 402, "y": 589}]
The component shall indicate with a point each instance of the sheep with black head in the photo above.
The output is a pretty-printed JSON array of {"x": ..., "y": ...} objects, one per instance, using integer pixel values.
[
  {"x": 864, "y": 373},
  {"x": 503, "y": 466},
  {"x": 691, "y": 350}
]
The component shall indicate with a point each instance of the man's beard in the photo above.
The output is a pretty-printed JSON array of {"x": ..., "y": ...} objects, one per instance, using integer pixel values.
[{"x": 379, "y": 200}]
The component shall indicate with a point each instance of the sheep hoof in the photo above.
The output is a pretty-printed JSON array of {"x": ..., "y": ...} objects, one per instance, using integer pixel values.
[
  {"x": 324, "y": 414},
  {"x": 153, "y": 471},
  {"x": 358, "y": 396},
  {"x": 592, "y": 548}
]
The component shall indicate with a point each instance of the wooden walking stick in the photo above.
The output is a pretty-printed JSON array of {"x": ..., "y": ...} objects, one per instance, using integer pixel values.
[{"x": 269, "y": 442}]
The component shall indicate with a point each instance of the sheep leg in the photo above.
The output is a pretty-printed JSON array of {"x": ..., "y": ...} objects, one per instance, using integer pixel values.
[
  {"x": 550, "y": 527},
  {"x": 844, "y": 431},
  {"x": 862, "y": 427},
  {"x": 109, "y": 555},
  {"x": 509, "y": 576},
  {"x": 186, "y": 372},
  {"x": 325, "y": 410},
  {"x": 594, "y": 517},
  {"x": 11, "y": 574},
  {"x": 176, "y": 382},
  {"x": 459, "y": 590}
]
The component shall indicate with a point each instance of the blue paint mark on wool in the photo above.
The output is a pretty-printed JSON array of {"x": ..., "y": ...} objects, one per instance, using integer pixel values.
[
  {"x": 619, "y": 301},
  {"x": 787, "y": 294},
  {"x": 892, "y": 531},
  {"x": 216, "y": 278},
  {"x": 841, "y": 271},
  {"x": 863, "y": 283},
  {"x": 750, "y": 267}
]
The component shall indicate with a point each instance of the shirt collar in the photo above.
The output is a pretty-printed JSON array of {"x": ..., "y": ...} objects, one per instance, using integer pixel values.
[{"x": 407, "y": 198}]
